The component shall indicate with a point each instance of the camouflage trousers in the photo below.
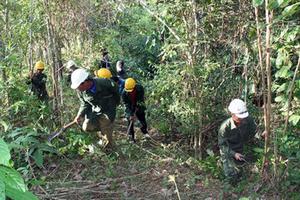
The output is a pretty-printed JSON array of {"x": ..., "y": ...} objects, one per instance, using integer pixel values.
[
  {"x": 103, "y": 125},
  {"x": 232, "y": 168}
]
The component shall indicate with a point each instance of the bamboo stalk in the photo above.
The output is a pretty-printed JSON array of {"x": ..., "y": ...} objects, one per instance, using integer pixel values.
[
  {"x": 260, "y": 57},
  {"x": 269, "y": 15}
]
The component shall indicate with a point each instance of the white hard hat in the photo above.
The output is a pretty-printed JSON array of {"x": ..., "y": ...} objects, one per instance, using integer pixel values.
[
  {"x": 238, "y": 107},
  {"x": 78, "y": 77},
  {"x": 70, "y": 63},
  {"x": 119, "y": 65}
]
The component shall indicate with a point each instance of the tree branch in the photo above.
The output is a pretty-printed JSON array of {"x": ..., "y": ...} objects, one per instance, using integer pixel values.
[{"x": 144, "y": 5}]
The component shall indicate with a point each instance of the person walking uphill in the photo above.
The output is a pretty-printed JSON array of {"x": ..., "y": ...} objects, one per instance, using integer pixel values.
[
  {"x": 133, "y": 98},
  {"x": 99, "y": 99},
  {"x": 38, "y": 82},
  {"x": 233, "y": 134}
]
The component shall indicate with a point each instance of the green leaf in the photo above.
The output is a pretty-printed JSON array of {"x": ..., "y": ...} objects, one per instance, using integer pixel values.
[
  {"x": 38, "y": 158},
  {"x": 257, "y": 3},
  {"x": 12, "y": 178},
  {"x": 15, "y": 194},
  {"x": 279, "y": 98},
  {"x": 290, "y": 10},
  {"x": 5, "y": 125},
  {"x": 46, "y": 148},
  {"x": 258, "y": 150},
  {"x": 282, "y": 87},
  {"x": 284, "y": 72},
  {"x": 283, "y": 3},
  {"x": 4, "y": 153},
  {"x": 2, "y": 190},
  {"x": 273, "y": 4},
  {"x": 15, "y": 132},
  {"x": 282, "y": 57},
  {"x": 294, "y": 119}
]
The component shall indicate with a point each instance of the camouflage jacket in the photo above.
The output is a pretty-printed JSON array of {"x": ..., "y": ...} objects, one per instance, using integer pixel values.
[
  {"x": 231, "y": 138},
  {"x": 104, "y": 99}
]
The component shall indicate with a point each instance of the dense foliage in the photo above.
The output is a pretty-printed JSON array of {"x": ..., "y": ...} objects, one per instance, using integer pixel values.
[{"x": 192, "y": 56}]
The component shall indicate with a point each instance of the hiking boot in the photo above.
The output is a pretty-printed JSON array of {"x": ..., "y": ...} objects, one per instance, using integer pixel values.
[{"x": 147, "y": 136}]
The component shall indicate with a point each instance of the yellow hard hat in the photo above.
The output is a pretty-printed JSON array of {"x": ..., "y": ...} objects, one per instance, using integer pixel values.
[
  {"x": 39, "y": 65},
  {"x": 104, "y": 73},
  {"x": 129, "y": 84}
]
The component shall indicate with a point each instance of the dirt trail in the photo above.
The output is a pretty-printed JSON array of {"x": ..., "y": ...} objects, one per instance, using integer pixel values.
[{"x": 143, "y": 171}]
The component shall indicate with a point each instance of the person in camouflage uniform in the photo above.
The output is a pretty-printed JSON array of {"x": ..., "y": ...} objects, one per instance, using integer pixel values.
[
  {"x": 233, "y": 134},
  {"x": 133, "y": 98},
  {"x": 99, "y": 99},
  {"x": 38, "y": 82}
]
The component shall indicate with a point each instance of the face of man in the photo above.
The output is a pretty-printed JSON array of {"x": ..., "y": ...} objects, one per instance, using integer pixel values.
[
  {"x": 84, "y": 86},
  {"x": 236, "y": 119}
]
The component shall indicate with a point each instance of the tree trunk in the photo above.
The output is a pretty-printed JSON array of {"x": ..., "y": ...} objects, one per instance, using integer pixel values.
[
  {"x": 262, "y": 71},
  {"x": 30, "y": 41},
  {"x": 52, "y": 56},
  {"x": 3, "y": 70}
]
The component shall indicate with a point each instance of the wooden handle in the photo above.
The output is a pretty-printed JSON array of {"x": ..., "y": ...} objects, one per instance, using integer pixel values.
[
  {"x": 55, "y": 134},
  {"x": 69, "y": 124}
]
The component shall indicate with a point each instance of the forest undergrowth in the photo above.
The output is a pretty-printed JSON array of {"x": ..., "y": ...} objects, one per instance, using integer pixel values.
[{"x": 149, "y": 169}]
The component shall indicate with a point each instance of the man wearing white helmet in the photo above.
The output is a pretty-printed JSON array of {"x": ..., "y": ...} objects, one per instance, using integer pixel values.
[
  {"x": 99, "y": 99},
  {"x": 233, "y": 134},
  {"x": 71, "y": 67}
]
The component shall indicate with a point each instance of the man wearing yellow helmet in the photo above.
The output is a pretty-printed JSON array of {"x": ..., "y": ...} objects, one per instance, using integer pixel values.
[
  {"x": 104, "y": 73},
  {"x": 38, "y": 82},
  {"x": 133, "y": 98}
]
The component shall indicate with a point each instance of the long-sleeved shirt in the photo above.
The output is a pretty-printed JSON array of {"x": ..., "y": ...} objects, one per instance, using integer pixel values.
[
  {"x": 231, "y": 138},
  {"x": 38, "y": 82},
  {"x": 102, "y": 98},
  {"x": 130, "y": 106}
]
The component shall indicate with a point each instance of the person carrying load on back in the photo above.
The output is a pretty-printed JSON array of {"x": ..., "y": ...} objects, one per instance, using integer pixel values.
[
  {"x": 133, "y": 98},
  {"x": 233, "y": 134},
  {"x": 99, "y": 99},
  {"x": 38, "y": 82}
]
